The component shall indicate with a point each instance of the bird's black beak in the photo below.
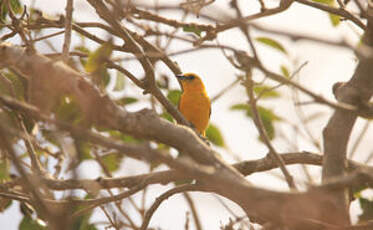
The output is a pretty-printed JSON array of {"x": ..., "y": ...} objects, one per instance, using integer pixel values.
[{"x": 181, "y": 77}]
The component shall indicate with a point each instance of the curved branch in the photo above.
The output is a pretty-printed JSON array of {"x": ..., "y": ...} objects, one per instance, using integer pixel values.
[
  {"x": 164, "y": 177},
  {"x": 163, "y": 197}
]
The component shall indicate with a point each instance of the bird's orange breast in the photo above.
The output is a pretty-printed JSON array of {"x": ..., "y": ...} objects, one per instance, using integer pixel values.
[{"x": 195, "y": 106}]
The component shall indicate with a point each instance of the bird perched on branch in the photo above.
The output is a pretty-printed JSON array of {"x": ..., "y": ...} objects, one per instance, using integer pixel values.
[{"x": 194, "y": 103}]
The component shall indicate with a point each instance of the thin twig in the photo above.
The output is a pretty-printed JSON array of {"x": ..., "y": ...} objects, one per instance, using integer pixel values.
[
  {"x": 224, "y": 90},
  {"x": 193, "y": 208},
  {"x": 259, "y": 124},
  {"x": 68, "y": 28}
]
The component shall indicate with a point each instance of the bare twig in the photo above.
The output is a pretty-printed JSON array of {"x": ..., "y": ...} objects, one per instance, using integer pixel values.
[
  {"x": 68, "y": 27},
  {"x": 193, "y": 209},
  {"x": 224, "y": 90},
  {"x": 263, "y": 134}
]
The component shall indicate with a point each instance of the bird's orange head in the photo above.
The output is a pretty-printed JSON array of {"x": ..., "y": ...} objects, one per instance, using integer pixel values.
[{"x": 191, "y": 82}]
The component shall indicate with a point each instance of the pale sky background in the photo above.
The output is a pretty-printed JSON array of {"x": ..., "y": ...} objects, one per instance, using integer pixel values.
[{"x": 326, "y": 65}]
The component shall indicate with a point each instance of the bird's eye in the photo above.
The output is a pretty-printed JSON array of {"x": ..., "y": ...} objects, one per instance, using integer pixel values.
[{"x": 191, "y": 77}]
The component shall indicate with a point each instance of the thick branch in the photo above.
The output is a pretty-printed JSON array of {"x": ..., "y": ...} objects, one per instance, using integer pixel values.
[{"x": 337, "y": 133}]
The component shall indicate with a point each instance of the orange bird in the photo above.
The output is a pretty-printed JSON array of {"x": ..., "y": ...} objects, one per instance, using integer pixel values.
[{"x": 194, "y": 103}]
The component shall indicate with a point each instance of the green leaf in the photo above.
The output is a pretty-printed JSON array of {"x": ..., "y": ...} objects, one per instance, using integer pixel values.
[
  {"x": 123, "y": 137},
  {"x": 266, "y": 115},
  {"x": 367, "y": 208},
  {"x": 84, "y": 149},
  {"x": 335, "y": 19},
  {"x": 101, "y": 77},
  {"x": 4, "y": 170},
  {"x": 266, "y": 92},
  {"x": 174, "y": 96},
  {"x": 16, "y": 8},
  {"x": 167, "y": 116},
  {"x": 97, "y": 59},
  {"x": 120, "y": 82},
  {"x": 112, "y": 161},
  {"x": 285, "y": 71},
  {"x": 18, "y": 85},
  {"x": 28, "y": 223},
  {"x": 126, "y": 101},
  {"x": 9, "y": 118},
  {"x": 214, "y": 135},
  {"x": 82, "y": 49},
  {"x": 269, "y": 128},
  {"x": 82, "y": 222},
  {"x": 192, "y": 29},
  {"x": 271, "y": 43},
  {"x": 245, "y": 107},
  {"x": 69, "y": 110}
]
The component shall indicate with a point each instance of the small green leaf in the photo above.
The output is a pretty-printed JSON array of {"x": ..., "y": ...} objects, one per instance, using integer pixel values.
[
  {"x": 266, "y": 92},
  {"x": 101, "y": 78},
  {"x": 4, "y": 170},
  {"x": 269, "y": 128},
  {"x": 192, "y": 29},
  {"x": 69, "y": 110},
  {"x": 84, "y": 149},
  {"x": 167, "y": 116},
  {"x": 28, "y": 223},
  {"x": 174, "y": 96},
  {"x": 16, "y": 8},
  {"x": 335, "y": 19},
  {"x": 126, "y": 101},
  {"x": 266, "y": 115},
  {"x": 285, "y": 71},
  {"x": 245, "y": 107},
  {"x": 82, "y": 222},
  {"x": 271, "y": 43},
  {"x": 214, "y": 135},
  {"x": 97, "y": 59},
  {"x": 123, "y": 137},
  {"x": 82, "y": 49},
  {"x": 9, "y": 118},
  {"x": 367, "y": 208},
  {"x": 18, "y": 85},
  {"x": 120, "y": 82},
  {"x": 112, "y": 161}
]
